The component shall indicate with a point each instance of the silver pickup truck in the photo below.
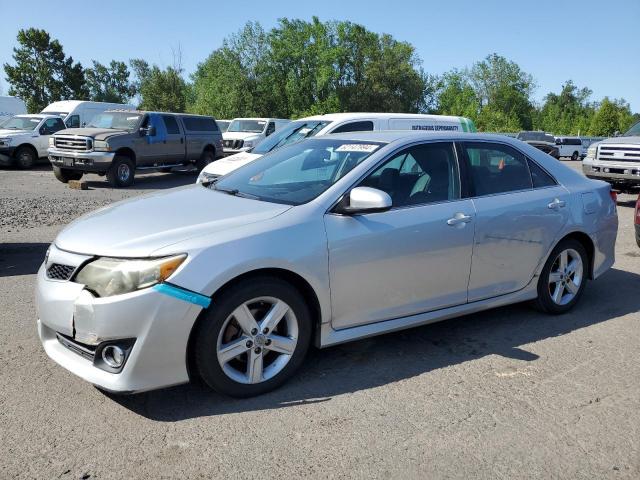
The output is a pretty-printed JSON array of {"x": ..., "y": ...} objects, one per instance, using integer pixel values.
[
  {"x": 118, "y": 143},
  {"x": 616, "y": 160}
]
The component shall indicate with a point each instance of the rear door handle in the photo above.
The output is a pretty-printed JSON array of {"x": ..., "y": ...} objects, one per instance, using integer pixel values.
[
  {"x": 557, "y": 203},
  {"x": 458, "y": 219}
]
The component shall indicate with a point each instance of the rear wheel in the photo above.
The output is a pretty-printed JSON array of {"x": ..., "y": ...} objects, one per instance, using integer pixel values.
[
  {"x": 563, "y": 278},
  {"x": 205, "y": 159},
  {"x": 64, "y": 175},
  {"x": 575, "y": 156},
  {"x": 254, "y": 338},
  {"x": 26, "y": 157},
  {"x": 121, "y": 172}
]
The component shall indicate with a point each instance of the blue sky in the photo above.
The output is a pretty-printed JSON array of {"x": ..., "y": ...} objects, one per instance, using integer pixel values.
[{"x": 594, "y": 43}]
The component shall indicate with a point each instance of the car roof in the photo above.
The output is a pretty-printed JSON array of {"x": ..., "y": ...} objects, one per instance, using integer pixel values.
[
  {"x": 37, "y": 115},
  {"x": 388, "y": 136},
  {"x": 334, "y": 117}
]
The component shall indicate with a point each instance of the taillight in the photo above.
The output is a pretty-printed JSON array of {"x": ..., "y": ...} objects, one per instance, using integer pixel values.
[
  {"x": 614, "y": 196},
  {"x": 637, "y": 216}
]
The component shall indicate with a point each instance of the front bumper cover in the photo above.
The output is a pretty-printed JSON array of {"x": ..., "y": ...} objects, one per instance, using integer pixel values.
[{"x": 81, "y": 161}]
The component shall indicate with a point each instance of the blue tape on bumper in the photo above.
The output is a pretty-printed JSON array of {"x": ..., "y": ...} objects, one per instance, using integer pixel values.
[{"x": 182, "y": 294}]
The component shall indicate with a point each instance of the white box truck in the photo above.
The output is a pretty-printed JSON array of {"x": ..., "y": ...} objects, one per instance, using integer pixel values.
[
  {"x": 78, "y": 113},
  {"x": 10, "y": 106}
]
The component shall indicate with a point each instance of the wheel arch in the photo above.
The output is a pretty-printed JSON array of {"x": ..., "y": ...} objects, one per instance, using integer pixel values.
[
  {"x": 586, "y": 241},
  {"x": 294, "y": 279},
  {"x": 127, "y": 152},
  {"x": 28, "y": 146}
]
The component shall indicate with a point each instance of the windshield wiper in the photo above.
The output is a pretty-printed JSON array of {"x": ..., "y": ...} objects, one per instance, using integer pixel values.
[{"x": 232, "y": 191}]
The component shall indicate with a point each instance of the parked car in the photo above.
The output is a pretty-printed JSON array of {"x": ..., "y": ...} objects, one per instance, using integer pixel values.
[
  {"x": 117, "y": 143},
  {"x": 328, "y": 240},
  {"x": 24, "y": 138},
  {"x": 79, "y": 113},
  {"x": 10, "y": 106},
  {"x": 243, "y": 134},
  {"x": 542, "y": 141},
  {"x": 616, "y": 160},
  {"x": 636, "y": 220},
  {"x": 223, "y": 125},
  {"x": 571, "y": 147},
  {"x": 319, "y": 125}
]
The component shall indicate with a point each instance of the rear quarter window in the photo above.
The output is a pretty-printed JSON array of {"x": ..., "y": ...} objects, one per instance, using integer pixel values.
[{"x": 200, "y": 124}]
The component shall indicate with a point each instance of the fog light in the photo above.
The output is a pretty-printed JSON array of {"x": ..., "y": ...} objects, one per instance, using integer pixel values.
[
  {"x": 606, "y": 170},
  {"x": 113, "y": 356}
]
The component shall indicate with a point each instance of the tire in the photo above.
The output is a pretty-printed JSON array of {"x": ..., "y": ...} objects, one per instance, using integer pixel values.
[
  {"x": 165, "y": 170},
  {"x": 575, "y": 156},
  {"x": 220, "y": 328},
  {"x": 64, "y": 175},
  {"x": 205, "y": 159},
  {"x": 559, "y": 297},
  {"x": 121, "y": 172},
  {"x": 26, "y": 157}
]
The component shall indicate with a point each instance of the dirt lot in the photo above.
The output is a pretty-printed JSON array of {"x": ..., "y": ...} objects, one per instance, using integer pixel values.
[{"x": 508, "y": 393}]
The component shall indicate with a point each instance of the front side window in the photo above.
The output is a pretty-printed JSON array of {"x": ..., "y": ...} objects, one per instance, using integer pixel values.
[
  {"x": 496, "y": 168},
  {"x": 422, "y": 174},
  {"x": 298, "y": 173},
  {"x": 73, "y": 121},
  {"x": 52, "y": 125},
  {"x": 363, "y": 126}
]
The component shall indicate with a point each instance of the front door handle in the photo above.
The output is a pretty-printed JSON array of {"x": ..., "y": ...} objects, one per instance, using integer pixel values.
[
  {"x": 557, "y": 203},
  {"x": 458, "y": 219}
]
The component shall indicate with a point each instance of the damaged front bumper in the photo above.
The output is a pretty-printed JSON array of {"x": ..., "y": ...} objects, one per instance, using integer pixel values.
[{"x": 151, "y": 328}]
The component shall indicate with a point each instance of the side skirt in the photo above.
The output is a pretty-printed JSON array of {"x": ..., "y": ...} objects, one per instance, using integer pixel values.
[{"x": 329, "y": 336}]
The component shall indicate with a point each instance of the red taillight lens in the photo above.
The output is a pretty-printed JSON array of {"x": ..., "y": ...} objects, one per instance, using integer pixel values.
[
  {"x": 614, "y": 196},
  {"x": 637, "y": 216}
]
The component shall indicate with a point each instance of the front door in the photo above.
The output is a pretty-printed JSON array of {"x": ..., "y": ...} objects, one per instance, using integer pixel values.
[
  {"x": 411, "y": 259},
  {"x": 150, "y": 149},
  {"x": 520, "y": 211}
]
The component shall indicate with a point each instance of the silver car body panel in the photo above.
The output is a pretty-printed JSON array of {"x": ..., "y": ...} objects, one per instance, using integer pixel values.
[{"x": 365, "y": 270}]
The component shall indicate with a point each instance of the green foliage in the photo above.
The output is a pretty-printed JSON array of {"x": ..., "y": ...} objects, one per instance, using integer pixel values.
[
  {"x": 162, "y": 90},
  {"x": 611, "y": 117},
  {"x": 567, "y": 113},
  {"x": 42, "y": 73},
  {"x": 109, "y": 83},
  {"x": 456, "y": 96}
]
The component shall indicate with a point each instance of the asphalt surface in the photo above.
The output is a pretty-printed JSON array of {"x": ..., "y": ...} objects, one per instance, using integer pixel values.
[{"x": 508, "y": 393}]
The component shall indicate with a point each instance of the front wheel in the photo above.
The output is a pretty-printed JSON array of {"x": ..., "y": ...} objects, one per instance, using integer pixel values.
[
  {"x": 254, "y": 338},
  {"x": 563, "y": 278},
  {"x": 575, "y": 156},
  {"x": 26, "y": 157},
  {"x": 205, "y": 159},
  {"x": 121, "y": 172},
  {"x": 64, "y": 175}
]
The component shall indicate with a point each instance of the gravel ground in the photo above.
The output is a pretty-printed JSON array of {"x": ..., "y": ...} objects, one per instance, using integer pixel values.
[{"x": 502, "y": 394}]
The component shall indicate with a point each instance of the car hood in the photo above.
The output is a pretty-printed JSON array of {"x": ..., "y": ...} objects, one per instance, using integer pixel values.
[
  {"x": 627, "y": 140},
  {"x": 240, "y": 135},
  {"x": 229, "y": 164},
  {"x": 137, "y": 227},
  {"x": 96, "y": 133},
  {"x": 10, "y": 132}
]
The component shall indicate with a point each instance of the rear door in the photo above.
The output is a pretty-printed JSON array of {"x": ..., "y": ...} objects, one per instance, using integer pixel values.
[
  {"x": 520, "y": 210},
  {"x": 174, "y": 151}
]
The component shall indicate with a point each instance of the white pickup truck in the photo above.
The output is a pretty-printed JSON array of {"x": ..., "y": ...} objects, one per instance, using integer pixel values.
[
  {"x": 616, "y": 160},
  {"x": 24, "y": 139}
]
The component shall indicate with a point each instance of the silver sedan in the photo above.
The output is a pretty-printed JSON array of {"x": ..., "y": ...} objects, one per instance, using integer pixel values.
[{"x": 326, "y": 241}]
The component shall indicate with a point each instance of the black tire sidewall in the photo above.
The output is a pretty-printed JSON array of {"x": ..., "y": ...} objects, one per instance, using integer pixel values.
[
  {"x": 19, "y": 153},
  {"x": 207, "y": 335},
  {"x": 205, "y": 159},
  {"x": 65, "y": 175},
  {"x": 575, "y": 156},
  {"x": 544, "y": 300},
  {"x": 112, "y": 173}
]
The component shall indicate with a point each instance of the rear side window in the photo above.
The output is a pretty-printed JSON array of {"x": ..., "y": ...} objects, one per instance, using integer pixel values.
[
  {"x": 200, "y": 124},
  {"x": 539, "y": 177},
  {"x": 73, "y": 121},
  {"x": 171, "y": 124},
  {"x": 364, "y": 126},
  {"x": 496, "y": 168}
]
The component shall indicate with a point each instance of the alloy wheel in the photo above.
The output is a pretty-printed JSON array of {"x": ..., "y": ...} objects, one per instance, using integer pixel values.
[
  {"x": 257, "y": 340},
  {"x": 566, "y": 276},
  {"x": 123, "y": 172}
]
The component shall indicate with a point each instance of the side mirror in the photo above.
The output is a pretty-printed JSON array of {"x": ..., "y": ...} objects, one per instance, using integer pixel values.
[
  {"x": 149, "y": 131},
  {"x": 364, "y": 200}
]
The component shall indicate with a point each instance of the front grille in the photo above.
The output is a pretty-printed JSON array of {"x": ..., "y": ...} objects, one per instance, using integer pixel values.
[
  {"x": 86, "y": 351},
  {"x": 235, "y": 144},
  {"x": 72, "y": 144},
  {"x": 58, "y": 271},
  {"x": 619, "y": 153}
]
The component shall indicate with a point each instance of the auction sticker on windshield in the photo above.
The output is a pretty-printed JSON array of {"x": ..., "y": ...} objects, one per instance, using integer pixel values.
[{"x": 358, "y": 147}]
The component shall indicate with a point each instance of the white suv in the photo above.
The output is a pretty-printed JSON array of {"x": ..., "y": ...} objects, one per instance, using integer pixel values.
[
  {"x": 243, "y": 134},
  {"x": 24, "y": 139}
]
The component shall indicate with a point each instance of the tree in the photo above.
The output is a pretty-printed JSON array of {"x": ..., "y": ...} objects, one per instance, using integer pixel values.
[
  {"x": 109, "y": 84},
  {"x": 611, "y": 117},
  {"x": 42, "y": 73},
  {"x": 163, "y": 90},
  {"x": 566, "y": 113},
  {"x": 456, "y": 96}
]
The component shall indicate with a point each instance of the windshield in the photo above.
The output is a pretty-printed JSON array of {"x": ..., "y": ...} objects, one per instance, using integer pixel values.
[
  {"x": 223, "y": 125},
  {"x": 297, "y": 173},
  {"x": 633, "y": 131},
  {"x": 535, "y": 137},
  {"x": 292, "y": 133},
  {"x": 22, "y": 123},
  {"x": 116, "y": 120},
  {"x": 253, "y": 126}
]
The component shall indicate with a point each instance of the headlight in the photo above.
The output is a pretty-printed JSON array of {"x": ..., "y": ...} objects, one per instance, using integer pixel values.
[
  {"x": 591, "y": 151},
  {"x": 5, "y": 141},
  {"x": 114, "y": 276},
  {"x": 52, "y": 142},
  {"x": 101, "y": 146},
  {"x": 205, "y": 177}
]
